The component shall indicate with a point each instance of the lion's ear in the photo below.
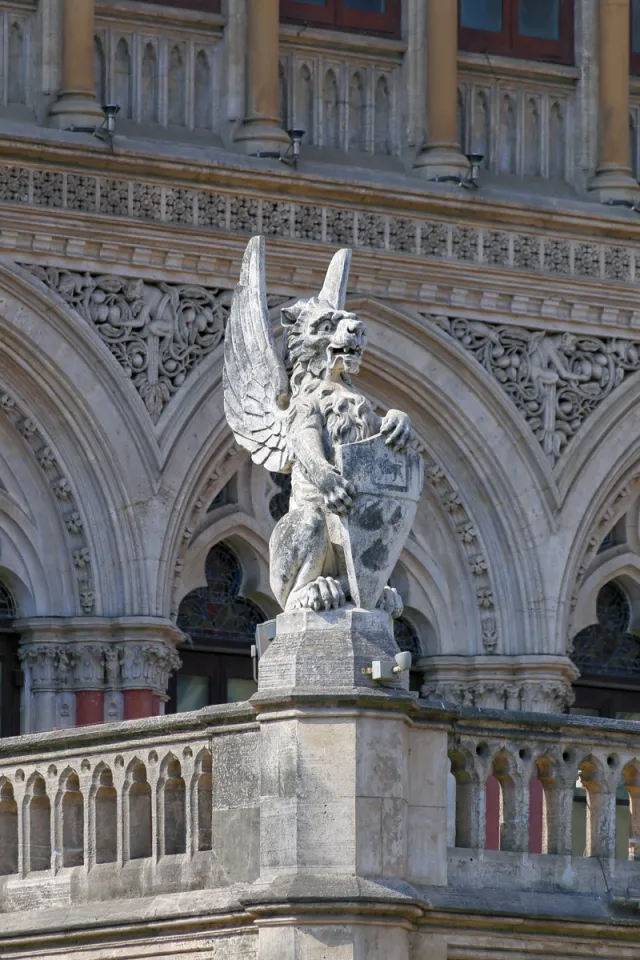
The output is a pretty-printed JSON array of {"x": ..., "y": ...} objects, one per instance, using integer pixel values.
[
  {"x": 334, "y": 291},
  {"x": 288, "y": 316}
]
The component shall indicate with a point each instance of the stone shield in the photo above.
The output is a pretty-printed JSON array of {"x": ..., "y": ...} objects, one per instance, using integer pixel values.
[{"x": 375, "y": 529}]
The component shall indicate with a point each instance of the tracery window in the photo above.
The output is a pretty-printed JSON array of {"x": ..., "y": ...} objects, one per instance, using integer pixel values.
[
  {"x": 528, "y": 29},
  {"x": 607, "y": 653},
  {"x": 370, "y": 16},
  {"x": 406, "y": 636},
  {"x": 220, "y": 625}
]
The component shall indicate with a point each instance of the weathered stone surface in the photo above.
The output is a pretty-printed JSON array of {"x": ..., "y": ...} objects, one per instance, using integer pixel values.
[
  {"x": 304, "y": 416},
  {"x": 333, "y": 650}
]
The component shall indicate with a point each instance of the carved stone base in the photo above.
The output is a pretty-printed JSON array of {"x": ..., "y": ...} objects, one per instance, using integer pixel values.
[
  {"x": 541, "y": 684},
  {"x": 262, "y": 136},
  {"x": 75, "y": 110},
  {"x": 614, "y": 185},
  {"x": 440, "y": 161},
  {"x": 316, "y": 651}
]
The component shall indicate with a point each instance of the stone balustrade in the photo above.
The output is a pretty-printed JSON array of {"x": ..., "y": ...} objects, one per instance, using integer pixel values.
[
  {"x": 173, "y": 803},
  {"x": 520, "y": 116},
  {"x": 556, "y": 800},
  {"x": 84, "y": 813}
]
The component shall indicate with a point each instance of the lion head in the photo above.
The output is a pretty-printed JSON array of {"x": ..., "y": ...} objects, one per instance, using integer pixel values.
[{"x": 323, "y": 341}]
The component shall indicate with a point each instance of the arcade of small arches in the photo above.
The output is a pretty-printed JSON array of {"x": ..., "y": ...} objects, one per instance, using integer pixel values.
[{"x": 103, "y": 621}]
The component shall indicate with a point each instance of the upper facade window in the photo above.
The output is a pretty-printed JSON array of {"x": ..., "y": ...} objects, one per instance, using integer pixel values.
[
  {"x": 371, "y": 16},
  {"x": 529, "y": 29}
]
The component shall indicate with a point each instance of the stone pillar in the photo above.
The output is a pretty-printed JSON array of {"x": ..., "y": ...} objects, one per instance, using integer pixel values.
[
  {"x": 613, "y": 180},
  {"x": 261, "y": 131},
  {"x": 441, "y": 158},
  {"x": 347, "y": 820},
  {"x": 76, "y": 105},
  {"x": 85, "y": 670}
]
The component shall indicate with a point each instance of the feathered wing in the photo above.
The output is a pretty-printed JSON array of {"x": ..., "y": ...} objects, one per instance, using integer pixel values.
[{"x": 255, "y": 381}]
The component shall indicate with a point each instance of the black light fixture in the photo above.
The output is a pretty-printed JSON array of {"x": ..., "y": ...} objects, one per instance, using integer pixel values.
[
  {"x": 293, "y": 153},
  {"x": 108, "y": 126},
  {"x": 471, "y": 181}
]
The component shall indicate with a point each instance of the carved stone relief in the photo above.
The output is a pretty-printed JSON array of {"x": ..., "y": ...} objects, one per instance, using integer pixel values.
[
  {"x": 554, "y": 379},
  {"x": 63, "y": 491}
]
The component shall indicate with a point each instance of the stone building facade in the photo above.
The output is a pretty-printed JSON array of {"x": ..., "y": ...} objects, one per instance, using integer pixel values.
[{"x": 500, "y": 300}]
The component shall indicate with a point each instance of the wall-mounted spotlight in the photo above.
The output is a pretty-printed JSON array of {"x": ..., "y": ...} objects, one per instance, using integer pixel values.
[
  {"x": 108, "y": 126},
  {"x": 472, "y": 179},
  {"x": 293, "y": 153}
]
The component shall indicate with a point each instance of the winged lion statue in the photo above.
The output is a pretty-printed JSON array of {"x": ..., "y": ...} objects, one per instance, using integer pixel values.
[{"x": 355, "y": 482}]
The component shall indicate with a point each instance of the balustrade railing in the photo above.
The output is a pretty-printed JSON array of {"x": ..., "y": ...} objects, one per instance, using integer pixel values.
[
  {"x": 519, "y": 116},
  {"x": 89, "y": 801},
  {"x": 344, "y": 91},
  {"x": 161, "y": 65},
  {"x": 559, "y": 786}
]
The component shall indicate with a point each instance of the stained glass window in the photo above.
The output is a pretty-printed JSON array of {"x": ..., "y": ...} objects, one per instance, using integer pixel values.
[
  {"x": 607, "y": 648},
  {"x": 406, "y": 636},
  {"x": 216, "y": 614},
  {"x": 7, "y": 604},
  {"x": 279, "y": 503}
]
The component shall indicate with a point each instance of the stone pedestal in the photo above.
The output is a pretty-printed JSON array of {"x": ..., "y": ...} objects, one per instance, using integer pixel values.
[{"x": 352, "y": 797}]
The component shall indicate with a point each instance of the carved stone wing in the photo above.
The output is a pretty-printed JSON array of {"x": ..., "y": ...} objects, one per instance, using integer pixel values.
[{"x": 256, "y": 388}]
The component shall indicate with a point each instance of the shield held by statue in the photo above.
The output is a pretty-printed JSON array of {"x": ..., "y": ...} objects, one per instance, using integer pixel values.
[{"x": 375, "y": 529}]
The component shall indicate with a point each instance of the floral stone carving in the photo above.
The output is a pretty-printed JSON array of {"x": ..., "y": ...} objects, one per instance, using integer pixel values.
[
  {"x": 555, "y": 379},
  {"x": 158, "y": 332}
]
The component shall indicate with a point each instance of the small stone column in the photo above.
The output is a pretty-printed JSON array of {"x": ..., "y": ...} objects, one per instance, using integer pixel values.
[
  {"x": 613, "y": 180},
  {"x": 441, "y": 158},
  {"x": 261, "y": 131},
  {"x": 353, "y": 794},
  {"x": 76, "y": 105}
]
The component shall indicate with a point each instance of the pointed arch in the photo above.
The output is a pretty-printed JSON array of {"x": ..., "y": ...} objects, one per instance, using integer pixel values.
[
  {"x": 557, "y": 142},
  {"x": 176, "y": 89},
  {"x": 99, "y": 70},
  {"x": 383, "y": 143},
  {"x": 480, "y": 134},
  {"x": 283, "y": 95},
  {"x": 17, "y": 73},
  {"x": 122, "y": 79},
  {"x": 532, "y": 152},
  {"x": 357, "y": 113},
  {"x": 330, "y": 111},
  {"x": 306, "y": 103},
  {"x": 202, "y": 92},
  {"x": 507, "y": 135},
  {"x": 149, "y": 85}
]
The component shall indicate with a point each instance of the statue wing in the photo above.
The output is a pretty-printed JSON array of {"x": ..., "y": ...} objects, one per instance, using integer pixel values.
[{"x": 256, "y": 388}]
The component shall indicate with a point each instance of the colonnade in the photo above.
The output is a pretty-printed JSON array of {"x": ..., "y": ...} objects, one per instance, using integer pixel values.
[{"x": 440, "y": 157}]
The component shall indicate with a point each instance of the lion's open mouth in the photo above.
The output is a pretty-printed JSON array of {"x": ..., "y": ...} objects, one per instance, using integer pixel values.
[{"x": 346, "y": 353}]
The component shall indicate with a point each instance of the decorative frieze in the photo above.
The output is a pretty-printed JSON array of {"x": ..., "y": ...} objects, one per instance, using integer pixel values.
[
  {"x": 418, "y": 237},
  {"x": 42, "y": 452},
  {"x": 555, "y": 380}
]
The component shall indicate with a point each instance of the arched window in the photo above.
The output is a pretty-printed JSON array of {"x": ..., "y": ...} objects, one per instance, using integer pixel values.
[
  {"x": 529, "y": 29},
  {"x": 9, "y": 666},
  {"x": 220, "y": 625},
  {"x": 369, "y": 16},
  {"x": 607, "y": 654}
]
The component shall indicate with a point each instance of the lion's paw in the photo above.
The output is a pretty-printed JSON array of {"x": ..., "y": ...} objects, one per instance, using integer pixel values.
[
  {"x": 391, "y": 602},
  {"x": 325, "y": 593}
]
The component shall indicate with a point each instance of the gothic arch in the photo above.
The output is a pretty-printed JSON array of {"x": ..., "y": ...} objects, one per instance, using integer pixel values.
[{"x": 81, "y": 421}]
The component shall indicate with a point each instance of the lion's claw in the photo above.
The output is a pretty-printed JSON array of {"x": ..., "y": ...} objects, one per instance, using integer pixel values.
[
  {"x": 325, "y": 593},
  {"x": 391, "y": 602}
]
